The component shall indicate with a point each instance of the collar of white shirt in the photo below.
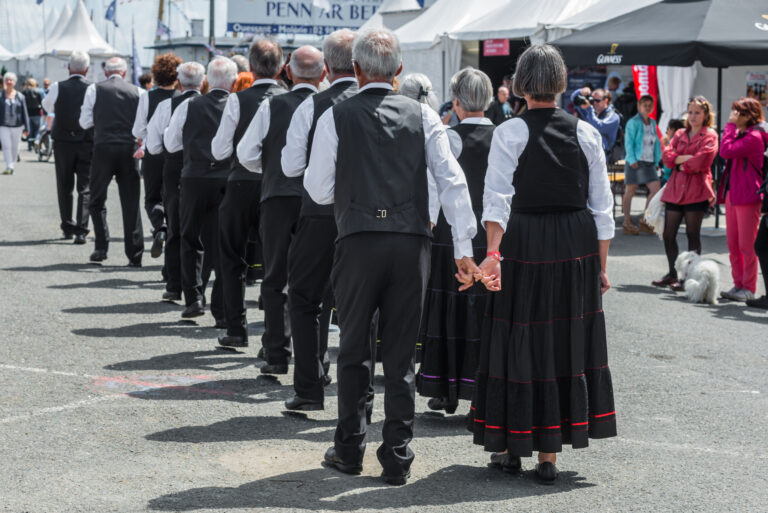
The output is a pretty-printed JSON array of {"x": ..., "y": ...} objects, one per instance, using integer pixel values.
[
  {"x": 76, "y": 75},
  {"x": 377, "y": 85},
  {"x": 304, "y": 86},
  {"x": 212, "y": 89},
  {"x": 261, "y": 81},
  {"x": 476, "y": 121},
  {"x": 343, "y": 79},
  {"x": 115, "y": 75}
]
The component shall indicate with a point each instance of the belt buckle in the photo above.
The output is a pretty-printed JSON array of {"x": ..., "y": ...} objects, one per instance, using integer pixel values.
[{"x": 382, "y": 214}]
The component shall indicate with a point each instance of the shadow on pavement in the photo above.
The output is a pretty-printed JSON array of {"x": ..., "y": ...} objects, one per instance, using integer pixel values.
[
  {"x": 727, "y": 310},
  {"x": 129, "y": 308},
  {"x": 235, "y": 390},
  {"x": 151, "y": 329},
  {"x": 328, "y": 489},
  {"x": 644, "y": 289},
  {"x": 20, "y": 243},
  {"x": 215, "y": 360},
  {"x": 114, "y": 283},
  {"x": 85, "y": 266}
]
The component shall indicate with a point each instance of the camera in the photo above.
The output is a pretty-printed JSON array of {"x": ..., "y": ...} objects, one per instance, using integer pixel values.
[{"x": 582, "y": 101}]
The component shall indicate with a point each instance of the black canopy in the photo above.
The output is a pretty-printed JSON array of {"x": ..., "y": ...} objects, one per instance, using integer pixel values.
[{"x": 718, "y": 33}]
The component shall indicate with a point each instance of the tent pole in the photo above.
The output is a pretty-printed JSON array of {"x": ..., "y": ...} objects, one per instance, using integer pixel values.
[
  {"x": 442, "y": 85},
  {"x": 719, "y": 160},
  {"x": 211, "y": 30}
]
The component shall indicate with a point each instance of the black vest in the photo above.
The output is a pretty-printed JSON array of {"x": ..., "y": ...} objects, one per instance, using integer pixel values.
[
  {"x": 475, "y": 146},
  {"x": 274, "y": 182},
  {"x": 114, "y": 111},
  {"x": 66, "y": 124},
  {"x": 250, "y": 99},
  {"x": 155, "y": 96},
  {"x": 203, "y": 117},
  {"x": 323, "y": 101},
  {"x": 552, "y": 172},
  {"x": 178, "y": 157},
  {"x": 381, "y": 168}
]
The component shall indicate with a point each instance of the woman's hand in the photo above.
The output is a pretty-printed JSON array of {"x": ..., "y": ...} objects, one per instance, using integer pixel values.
[
  {"x": 635, "y": 165},
  {"x": 733, "y": 117},
  {"x": 467, "y": 272},
  {"x": 682, "y": 159},
  {"x": 490, "y": 274},
  {"x": 605, "y": 283},
  {"x": 139, "y": 154}
]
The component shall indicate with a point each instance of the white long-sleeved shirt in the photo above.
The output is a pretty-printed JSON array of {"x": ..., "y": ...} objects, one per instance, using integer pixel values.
[
  {"x": 294, "y": 156},
  {"x": 49, "y": 102},
  {"x": 222, "y": 144},
  {"x": 158, "y": 124},
  {"x": 249, "y": 147},
  {"x": 509, "y": 141},
  {"x": 86, "y": 110},
  {"x": 320, "y": 175},
  {"x": 139, "y": 129}
]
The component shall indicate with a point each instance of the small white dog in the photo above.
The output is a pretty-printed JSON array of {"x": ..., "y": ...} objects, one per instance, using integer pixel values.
[{"x": 700, "y": 276}]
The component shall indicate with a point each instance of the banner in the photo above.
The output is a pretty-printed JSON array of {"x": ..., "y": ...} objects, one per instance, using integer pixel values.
[
  {"x": 319, "y": 17},
  {"x": 647, "y": 83}
]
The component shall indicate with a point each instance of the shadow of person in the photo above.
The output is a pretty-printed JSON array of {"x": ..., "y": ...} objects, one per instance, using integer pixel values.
[
  {"x": 644, "y": 289},
  {"x": 235, "y": 390},
  {"x": 214, "y": 360},
  {"x": 114, "y": 283},
  {"x": 326, "y": 489},
  {"x": 150, "y": 329},
  {"x": 737, "y": 311},
  {"x": 127, "y": 308},
  {"x": 21, "y": 243},
  {"x": 82, "y": 267}
]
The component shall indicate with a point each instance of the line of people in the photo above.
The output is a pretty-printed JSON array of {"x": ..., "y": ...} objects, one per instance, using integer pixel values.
[{"x": 362, "y": 198}]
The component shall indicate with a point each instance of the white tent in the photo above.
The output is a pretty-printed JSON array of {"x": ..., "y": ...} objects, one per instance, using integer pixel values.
[
  {"x": 599, "y": 12},
  {"x": 5, "y": 55},
  {"x": 80, "y": 34},
  {"x": 393, "y": 14},
  {"x": 54, "y": 29}
]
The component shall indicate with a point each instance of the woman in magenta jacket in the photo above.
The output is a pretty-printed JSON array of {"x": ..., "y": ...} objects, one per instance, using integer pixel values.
[
  {"x": 689, "y": 192},
  {"x": 743, "y": 147}
]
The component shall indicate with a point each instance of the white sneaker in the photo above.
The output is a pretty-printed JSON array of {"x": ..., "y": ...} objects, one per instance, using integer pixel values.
[
  {"x": 731, "y": 294},
  {"x": 742, "y": 295}
]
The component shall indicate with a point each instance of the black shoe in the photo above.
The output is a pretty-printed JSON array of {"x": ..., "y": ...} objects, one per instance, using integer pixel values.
[
  {"x": 67, "y": 236},
  {"x": 157, "y": 243},
  {"x": 221, "y": 324},
  {"x": 193, "y": 310},
  {"x": 326, "y": 380},
  {"x": 301, "y": 404},
  {"x": 398, "y": 480},
  {"x": 442, "y": 403},
  {"x": 260, "y": 354},
  {"x": 275, "y": 368},
  {"x": 134, "y": 263},
  {"x": 171, "y": 296},
  {"x": 98, "y": 256},
  {"x": 506, "y": 462},
  {"x": 232, "y": 341},
  {"x": 760, "y": 302},
  {"x": 79, "y": 239},
  {"x": 332, "y": 460},
  {"x": 546, "y": 473}
]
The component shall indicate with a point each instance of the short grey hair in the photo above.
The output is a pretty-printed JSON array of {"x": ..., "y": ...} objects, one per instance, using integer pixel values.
[
  {"x": 10, "y": 74},
  {"x": 241, "y": 61},
  {"x": 307, "y": 63},
  {"x": 79, "y": 61},
  {"x": 222, "y": 73},
  {"x": 191, "y": 75},
  {"x": 377, "y": 52},
  {"x": 265, "y": 57},
  {"x": 337, "y": 51},
  {"x": 417, "y": 86},
  {"x": 115, "y": 65},
  {"x": 472, "y": 89},
  {"x": 540, "y": 73}
]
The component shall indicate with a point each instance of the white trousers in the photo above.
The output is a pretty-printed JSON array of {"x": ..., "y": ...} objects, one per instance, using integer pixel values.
[{"x": 10, "y": 137}]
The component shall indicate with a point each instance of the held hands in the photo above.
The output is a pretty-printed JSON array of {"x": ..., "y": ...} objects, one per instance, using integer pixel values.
[
  {"x": 467, "y": 271},
  {"x": 489, "y": 273},
  {"x": 139, "y": 154}
]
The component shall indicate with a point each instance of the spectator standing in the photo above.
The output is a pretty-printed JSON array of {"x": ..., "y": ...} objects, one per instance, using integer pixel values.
[
  {"x": 46, "y": 84},
  {"x": 761, "y": 248},
  {"x": 743, "y": 147},
  {"x": 33, "y": 96},
  {"x": 500, "y": 110},
  {"x": 146, "y": 82},
  {"x": 600, "y": 114},
  {"x": 643, "y": 152},
  {"x": 689, "y": 191},
  {"x": 13, "y": 121}
]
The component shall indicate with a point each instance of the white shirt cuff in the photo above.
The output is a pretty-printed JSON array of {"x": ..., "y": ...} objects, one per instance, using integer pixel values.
[{"x": 462, "y": 248}]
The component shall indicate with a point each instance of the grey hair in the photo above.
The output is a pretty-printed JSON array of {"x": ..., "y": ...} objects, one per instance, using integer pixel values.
[
  {"x": 10, "y": 74},
  {"x": 265, "y": 57},
  {"x": 222, "y": 73},
  {"x": 79, "y": 61},
  {"x": 241, "y": 61},
  {"x": 540, "y": 73},
  {"x": 307, "y": 63},
  {"x": 337, "y": 50},
  {"x": 472, "y": 89},
  {"x": 191, "y": 75},
  {"x": 418, "y": 87},
  {"x": 115, "y": 65},
  {"x": 377, "y": 52}
]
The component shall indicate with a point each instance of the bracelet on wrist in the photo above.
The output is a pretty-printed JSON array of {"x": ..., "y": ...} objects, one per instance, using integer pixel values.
[{"x": 495, "y": 255}]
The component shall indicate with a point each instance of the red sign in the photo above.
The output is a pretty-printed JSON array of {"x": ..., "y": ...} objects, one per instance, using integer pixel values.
[
  {"x": 646, "y": 83},
  {"x": 496, "y": 47}
]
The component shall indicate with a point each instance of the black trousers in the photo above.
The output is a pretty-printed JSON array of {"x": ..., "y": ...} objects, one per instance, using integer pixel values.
[
  {"x": 253, "y": 255},
  {"x": 238, "y": 214},
  {"x": 73, "y": 166},
  {"x": 279, "y": 217},
  {"x": 171, "y": 191},
  {"x": 116, "y": 160},
  {"x": 761, "y": 248},
  {"x": 199, "y": 218},
  {"x": 152, "y": 172},
  {"x": 310, "y": 260},
  {"x": 387, "y": 271}
]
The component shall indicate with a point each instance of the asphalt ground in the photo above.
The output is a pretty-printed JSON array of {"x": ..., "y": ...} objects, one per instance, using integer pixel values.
[{"x": 109, "y": 403}]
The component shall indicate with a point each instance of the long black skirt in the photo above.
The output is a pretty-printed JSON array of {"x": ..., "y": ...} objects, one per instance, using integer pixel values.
[
  {"x": 543, "y": 378},
  {"x": 451, "y": 322}
]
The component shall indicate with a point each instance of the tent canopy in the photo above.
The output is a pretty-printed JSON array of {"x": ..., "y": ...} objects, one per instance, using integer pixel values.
[
  {"x": 79, "y": 34},
  {"x": 390, "y": 7},
  {"x": 599, "y": 12},
  {"x": 719, "y": 33},
  {"x": 55, "y": 29},
  {"x": 5, "y": 55}
]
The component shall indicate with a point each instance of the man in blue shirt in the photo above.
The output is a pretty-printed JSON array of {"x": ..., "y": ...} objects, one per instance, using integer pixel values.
[{"x": 601, "y": 115}]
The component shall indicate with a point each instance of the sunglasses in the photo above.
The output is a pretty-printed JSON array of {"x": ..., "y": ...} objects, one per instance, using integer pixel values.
[
  {"x": 697, "y": 99},
  {"x": 596, "y": 100}
]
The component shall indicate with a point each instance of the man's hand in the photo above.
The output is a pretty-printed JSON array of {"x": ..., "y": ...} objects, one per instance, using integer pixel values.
[
  {"x": 139, "y": 154},
  {"x": 467, "y": 272},
  {"x": 490, "y": 274}
]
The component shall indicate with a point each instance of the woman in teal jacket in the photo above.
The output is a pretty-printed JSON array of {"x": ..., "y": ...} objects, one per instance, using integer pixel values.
[{"x": 643, "y": 152}]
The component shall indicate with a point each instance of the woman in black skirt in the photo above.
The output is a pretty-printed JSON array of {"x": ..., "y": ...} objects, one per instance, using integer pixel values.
[
  {"x": 451, "y": 322},
  {"x": 543, "y": 379}
]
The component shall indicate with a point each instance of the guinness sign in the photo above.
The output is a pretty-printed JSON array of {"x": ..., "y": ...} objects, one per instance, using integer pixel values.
[{"x": 611, "y": 57}]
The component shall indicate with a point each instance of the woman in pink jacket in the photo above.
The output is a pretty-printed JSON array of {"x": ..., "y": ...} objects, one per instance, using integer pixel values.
[
  {"x": 689, "y": 192},
  {"x": 743, "y": 147}
]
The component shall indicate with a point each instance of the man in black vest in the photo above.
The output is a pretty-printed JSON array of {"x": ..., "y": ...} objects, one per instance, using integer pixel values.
[
  {"x": 72, "y": 146},
  {"x": 239, "y": 211},
  {"x": 259, "y": 151},
  {"x": 164, "y": 77},
  {"x": 310, "y": 256},
  {"x": 110, "y": 107},
  {"x": 190, "y": 76},
  {"x": 370, "y": 157},
  {"x": 203, "y": 180}
]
